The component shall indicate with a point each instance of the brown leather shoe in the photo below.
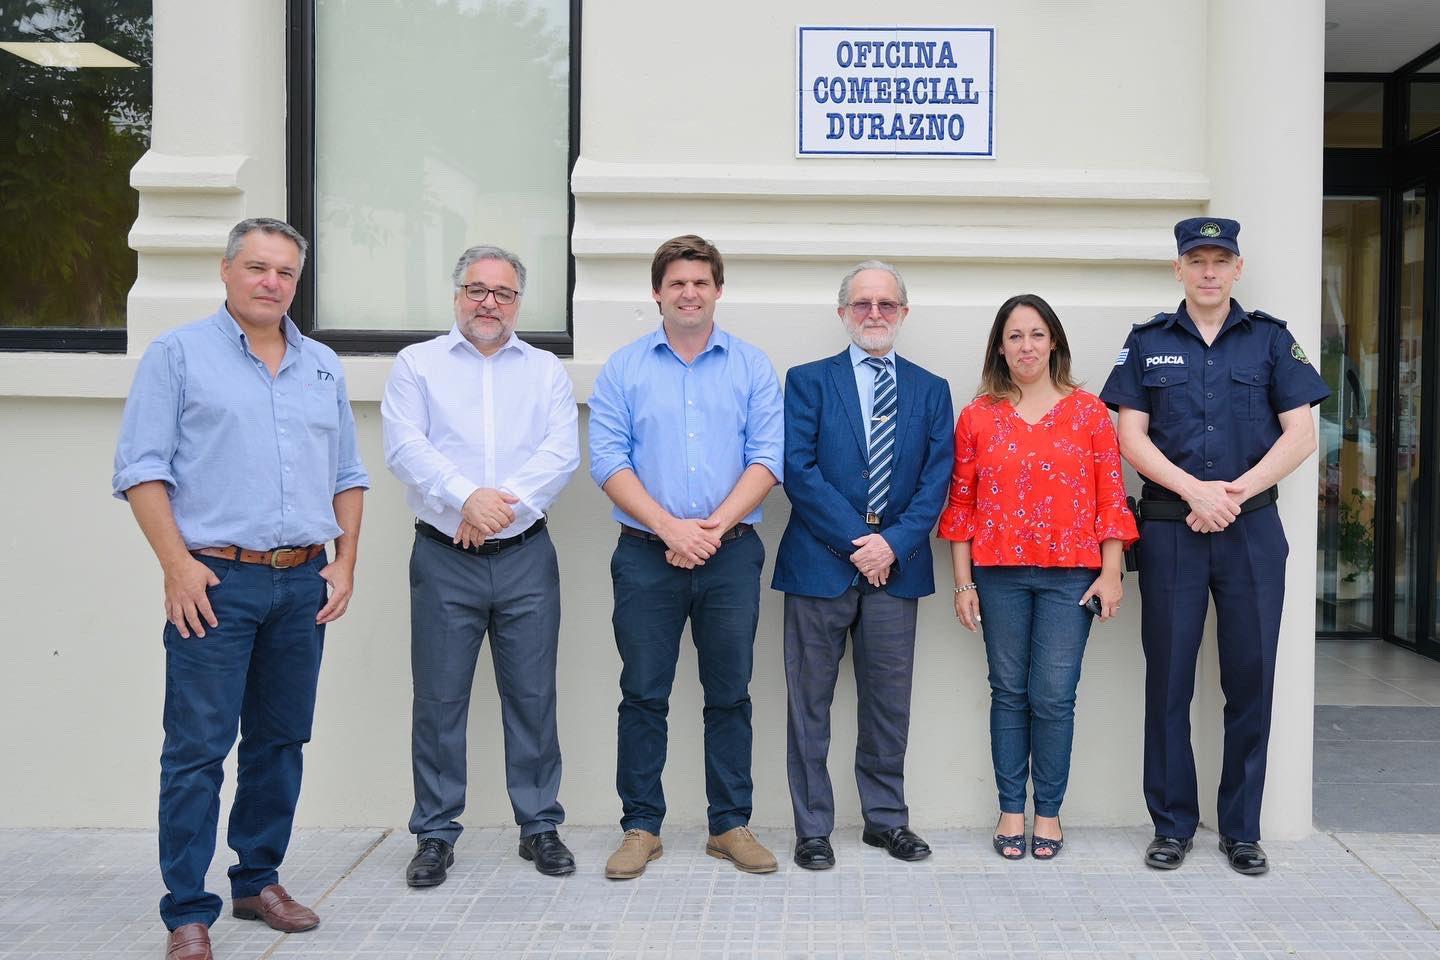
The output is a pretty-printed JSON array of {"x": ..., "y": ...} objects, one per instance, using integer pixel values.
[
  {"x": 637, "y": 849},
  {"x": 277, "y": 909},
  {"x": 740, "y": 847},
  {"x": 190, "y": 942}
]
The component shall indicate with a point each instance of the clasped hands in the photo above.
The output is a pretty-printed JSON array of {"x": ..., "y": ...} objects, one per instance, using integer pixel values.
[
  {"x": 485, "y": 513},
  {"x": 1215, "y": 505}
]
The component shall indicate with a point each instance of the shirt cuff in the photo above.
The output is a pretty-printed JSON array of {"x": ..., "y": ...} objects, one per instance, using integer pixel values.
[
  {"x": 957, "y": 523},
  {"x": 456, "y": 491},
  {"x": 1116, "y": 523},
  {"x": 138, "y": 473}
]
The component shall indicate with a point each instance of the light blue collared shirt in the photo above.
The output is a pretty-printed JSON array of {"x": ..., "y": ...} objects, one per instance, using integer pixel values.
[
  {"x": 249, "y": 460},
  {"x": 865, "y": 384},
  {"x": 687, "y": 430}
]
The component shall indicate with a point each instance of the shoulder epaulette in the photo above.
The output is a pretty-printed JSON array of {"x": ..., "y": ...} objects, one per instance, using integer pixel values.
[
  {"x": 1262, "y": 315},
  {"x": 1146, "y": 323}
]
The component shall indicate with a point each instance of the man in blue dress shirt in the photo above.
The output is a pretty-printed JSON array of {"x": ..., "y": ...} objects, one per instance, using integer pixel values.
[
  {"x": 238, "y": 456},
  {"x": 686, "y": 438},
  {"x": 1214, "y": 405}
]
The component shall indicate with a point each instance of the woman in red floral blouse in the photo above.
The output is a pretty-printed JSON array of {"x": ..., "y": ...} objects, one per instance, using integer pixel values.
[{"x": 1037, "y": 522}]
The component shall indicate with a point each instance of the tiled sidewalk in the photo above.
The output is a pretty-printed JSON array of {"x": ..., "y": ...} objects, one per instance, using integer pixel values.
[{"x": 84, "y": 894}]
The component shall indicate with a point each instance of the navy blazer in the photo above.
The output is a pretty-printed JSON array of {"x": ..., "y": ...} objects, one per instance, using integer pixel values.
[{"x": 827, "y": 477}]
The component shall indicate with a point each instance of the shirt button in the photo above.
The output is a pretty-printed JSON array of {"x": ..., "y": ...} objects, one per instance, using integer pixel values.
[
  {"x": 864, "y": 474},
  {"x": 1163, "y": 379},
  {"x": 1209, "y": 396},
  {"x": 1209, "y": 463},
  {"x": 1257, "y": 378},
  {"x": 1209, "y": 363},
  {"x": 690, "y": 435},
  {"x": 692, "y": 469},
  {"x": 1209, "y": 429}
]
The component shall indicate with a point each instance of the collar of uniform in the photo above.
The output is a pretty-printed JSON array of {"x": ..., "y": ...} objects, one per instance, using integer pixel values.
[
  {"x": 1236, "y": 315},
  {"x": 229, "y": 326},
  {"x": 719, "y": 340},
  {"x": 858, "y": 356},
  {"x": 454, "y": 338}
]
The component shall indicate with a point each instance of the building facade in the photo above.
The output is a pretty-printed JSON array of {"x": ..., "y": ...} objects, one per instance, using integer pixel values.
[{"x": 581, "y": 138}]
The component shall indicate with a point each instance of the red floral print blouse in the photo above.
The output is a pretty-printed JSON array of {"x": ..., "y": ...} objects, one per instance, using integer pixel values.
[{"x": 1037, "y": 495}]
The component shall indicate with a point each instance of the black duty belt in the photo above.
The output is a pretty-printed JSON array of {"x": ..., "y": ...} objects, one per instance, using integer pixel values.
[
  {"x": 739, "y": 530},
  {"x": 1160, "y": 507},
  {"x": 487, "y": 549}
]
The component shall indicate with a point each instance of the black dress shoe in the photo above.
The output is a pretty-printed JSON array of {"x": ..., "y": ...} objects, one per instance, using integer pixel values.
[
  {"x": 814, "y": 853},
  {"x": 427, "y": 867},
  {"x": 902, "y": 844},
  {"x": 549, "y": 852},
  {"x": 1167, "y": 853},
  {"x": 1245, "y": 856}
]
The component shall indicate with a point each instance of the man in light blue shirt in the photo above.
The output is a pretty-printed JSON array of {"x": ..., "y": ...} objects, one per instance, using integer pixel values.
[
  {"x": 238, "y": 456},
  {"x": 686, "y": 438}
]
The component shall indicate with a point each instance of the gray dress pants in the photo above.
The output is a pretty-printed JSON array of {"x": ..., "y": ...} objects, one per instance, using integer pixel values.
[
  {"x": 883, "y": 630},
  {"x": 456, "y": 599}
]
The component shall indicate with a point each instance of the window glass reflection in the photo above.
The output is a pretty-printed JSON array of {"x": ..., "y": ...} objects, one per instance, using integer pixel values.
[
  {"x": 1408, "y": 426},
  {"x": 74, "y": 118},
  {"x": 1350, "y": 343}
]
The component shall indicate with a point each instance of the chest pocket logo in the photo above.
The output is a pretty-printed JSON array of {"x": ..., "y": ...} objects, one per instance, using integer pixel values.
[
  {"x": 1168, "y": 393},
  {"x": 1250, "y": 392}
]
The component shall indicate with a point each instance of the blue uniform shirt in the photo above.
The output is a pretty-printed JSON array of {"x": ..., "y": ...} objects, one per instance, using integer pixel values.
[
  {"x": 687, "y": 430},
  {"x": 249, "y": 460},
  {"x": 1213, "y": 409}
]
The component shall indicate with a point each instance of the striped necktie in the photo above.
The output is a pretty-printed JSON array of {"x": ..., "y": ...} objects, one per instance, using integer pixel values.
[{"x": 882, "y": 437}]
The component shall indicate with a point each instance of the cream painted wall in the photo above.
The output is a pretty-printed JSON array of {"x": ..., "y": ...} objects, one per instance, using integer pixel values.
[{"x": 1107, "y": 133}]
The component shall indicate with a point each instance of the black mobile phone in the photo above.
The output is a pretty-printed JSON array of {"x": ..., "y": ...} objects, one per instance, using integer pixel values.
[{"x": 1093, "y": 605}]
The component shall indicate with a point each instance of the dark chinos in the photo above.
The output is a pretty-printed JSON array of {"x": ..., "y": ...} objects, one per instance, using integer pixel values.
[
  {"x": 205, "y": 415},
  {"x": 1213, "y": 413},
  {"x": 828, "y": 482},
  {"x": 653, "y": 600},
  {"x": 688, "y": 431},
  {"x": 457, "y": 597}
]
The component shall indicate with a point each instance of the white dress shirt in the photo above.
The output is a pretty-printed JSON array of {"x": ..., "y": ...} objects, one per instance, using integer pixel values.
[{"x": 456, "y": 420}]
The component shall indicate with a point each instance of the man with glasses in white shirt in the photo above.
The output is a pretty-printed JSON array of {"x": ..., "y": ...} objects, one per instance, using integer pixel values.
[{"x": 481, "y": 428}]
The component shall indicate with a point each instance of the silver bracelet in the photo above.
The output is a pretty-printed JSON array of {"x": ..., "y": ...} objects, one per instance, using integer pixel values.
[{"x": 965, "y": 586}]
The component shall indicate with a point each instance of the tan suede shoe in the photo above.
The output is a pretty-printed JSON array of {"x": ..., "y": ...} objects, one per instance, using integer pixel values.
[
  {"x": 190, "y": 942},
  {"x": 638, "y": 848},
  {"x": 740, "y": 847}
]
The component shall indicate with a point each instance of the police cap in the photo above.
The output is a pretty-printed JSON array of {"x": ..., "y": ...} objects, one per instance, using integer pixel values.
[{"x": 1207, "y": 232}]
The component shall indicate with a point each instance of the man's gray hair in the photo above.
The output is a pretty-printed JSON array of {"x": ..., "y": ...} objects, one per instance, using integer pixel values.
[
  {"x": 485, "y": 251},
  {"x": 244, "y": 228},
  {"x": 844, "y": 296}
]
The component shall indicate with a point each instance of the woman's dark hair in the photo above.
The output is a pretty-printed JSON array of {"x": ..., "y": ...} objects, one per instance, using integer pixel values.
[{"x": 995, "y": 379}]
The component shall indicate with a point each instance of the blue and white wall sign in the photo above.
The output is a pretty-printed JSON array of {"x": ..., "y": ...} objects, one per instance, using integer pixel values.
[{"x": 895, "y": 91}]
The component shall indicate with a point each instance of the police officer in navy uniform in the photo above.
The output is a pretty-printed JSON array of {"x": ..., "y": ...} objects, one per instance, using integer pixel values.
[{"x": 1214, "y": 405}]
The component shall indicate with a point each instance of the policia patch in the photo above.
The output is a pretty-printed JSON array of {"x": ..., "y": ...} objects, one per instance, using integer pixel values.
[{"x": 1298, "y": 354}]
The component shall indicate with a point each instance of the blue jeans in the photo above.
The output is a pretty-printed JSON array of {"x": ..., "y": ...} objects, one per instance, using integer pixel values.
[
  {"x": 1035, "y": 633},
  {"x": 257, "y": 670},
  {"x": 721, "y": 599}
]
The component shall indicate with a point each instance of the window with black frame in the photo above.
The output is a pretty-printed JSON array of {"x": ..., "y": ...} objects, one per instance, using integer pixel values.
[
  {"x": 436, "y": 125},
  {"x": 75, "y": 109}
]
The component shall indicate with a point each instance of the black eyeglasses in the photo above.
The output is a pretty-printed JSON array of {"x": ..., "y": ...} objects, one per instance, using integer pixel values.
[
  {"x": 860, "y": 309},
  {"x": 478, "y": 292}
]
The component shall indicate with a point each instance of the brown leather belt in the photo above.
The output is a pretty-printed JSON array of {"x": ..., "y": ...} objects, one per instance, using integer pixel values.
[
  {"x": 739, "y": 530},
  {"x": 282, "y": 558}
]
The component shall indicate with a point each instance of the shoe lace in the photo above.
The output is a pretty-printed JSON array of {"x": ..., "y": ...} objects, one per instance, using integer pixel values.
[
  {"x": 743, "y": 833},
  {"x": 634, "y": 833}
]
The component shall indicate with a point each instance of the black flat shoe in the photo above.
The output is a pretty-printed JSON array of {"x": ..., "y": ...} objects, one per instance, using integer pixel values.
[
  {"x": 549, "y": 852},
  {"x": 427, "y": 868},
  {"x": 1167, "y": 853},
  {"x": 1245, "y": 856},
  {"x": 1001, "y": 843},
  {"x": 899, "y": 841},
  {"x": 814, "y": 853},
  {"x": 1045, "y": 848}
]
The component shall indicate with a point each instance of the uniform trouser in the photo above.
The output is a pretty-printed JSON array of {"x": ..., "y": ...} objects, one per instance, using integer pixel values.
[
  {"x": 258, "y": 669},
  {"x": 883, "y": 630},
  {"x": 653, "y": 600},
  {"x": 1243, "y": 566},
  {"x": 456, "y": 599}
]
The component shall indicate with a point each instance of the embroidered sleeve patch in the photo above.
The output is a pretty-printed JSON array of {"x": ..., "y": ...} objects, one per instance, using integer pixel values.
[
  {"x": 1298, "y": 354},
  {"x": 1124, "y": 355}
]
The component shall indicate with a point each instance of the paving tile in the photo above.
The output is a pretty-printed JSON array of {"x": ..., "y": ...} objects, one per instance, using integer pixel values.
[{"x": 1358, "y": 895}]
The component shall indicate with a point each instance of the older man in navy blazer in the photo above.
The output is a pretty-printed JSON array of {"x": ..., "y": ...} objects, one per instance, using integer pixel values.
[{"x": 869, "y": 444}]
